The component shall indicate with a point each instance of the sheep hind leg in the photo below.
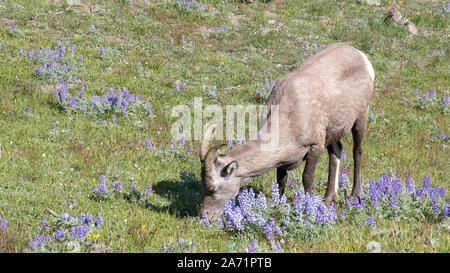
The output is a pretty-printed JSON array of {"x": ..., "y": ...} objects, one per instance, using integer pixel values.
[
  {"x": 334, "y": 153},
  {"x": 281, "y": 179},
  {"x": 358, "y": 130}
]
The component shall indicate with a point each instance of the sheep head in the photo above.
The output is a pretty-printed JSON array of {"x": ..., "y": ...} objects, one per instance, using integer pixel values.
[{"x": 219, "y": 181}]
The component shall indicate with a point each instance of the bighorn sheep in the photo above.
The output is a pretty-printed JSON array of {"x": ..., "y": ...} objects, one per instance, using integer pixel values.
[{"x": 319, "y": 102}]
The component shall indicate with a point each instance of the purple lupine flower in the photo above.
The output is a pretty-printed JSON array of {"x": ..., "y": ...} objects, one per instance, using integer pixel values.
[
  {"x": 95, "y": 190},
  {"x": 343, "y": 178},
  {"x": 230, "y": 143},
  {"x": 307, "y": 45},
  {"x": 3, "y": 224},
  {"x": 31, "y": 243},
  {"x": 291, "y": 183},
  {"x": 28, "y": 110},
  {"x": 205, "y": 220},
  {"x": 80, "y": 231},
  {"x": 89, "y": 219},
  {"x": 343, "y": 155},
  {"x": 373, "y": 193},
  {"x": 59, "y": 234},
  {"x": 103, "y": 188},
  {"x": 410, "y": 185},
  {"x": 82, "y": 217},
  {"x": 443, "y": 136},
  {"x": 445, "y": 210},
  {"x": 53, "y": 126},
  {"x": 251, "y": 248},
  {"x": 442, "y": 192},
  {"x": 65, "y": 216},
  {"x": 190, "y": 149},
  {"x": 44, "y": 222},
  {"x": 275, "y": 193},
  {"x": 98, "y": 221},
  {"x": 149, "y": 110},
  {"x": 177, "y": 87},
  {"x": 113, "y": 118},
  {"x": 102, "y": 50},
  {"x": 133, "y": 186},
  {"x": 149, "y": 190},
  {"x": 21, "y": 51},
  {"x": 278, "y": 246},
  {"x": 426, "y": 183},
  {"x": 81, "y": 91},
  {"x": 180, "y": 240},
  {"x": 381, "y": 111},
  {"x": 371, "y": 222},
  {"x": 419, "y": 192},
  {"x": 117, "y": 185},
  {"x": 269, "y": 233},
  {"x": 148, "y": 143},
  {"x": 182, "y": 37},
  {"x": 393, "y": 199},
  {"x": 166, "y": 246},
  {"x": 370, "y": 117},
  {"x": 182, "y": 139}
]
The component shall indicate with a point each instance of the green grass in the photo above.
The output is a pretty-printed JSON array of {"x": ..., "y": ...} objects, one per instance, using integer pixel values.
[{"x": 41, "y": 168}]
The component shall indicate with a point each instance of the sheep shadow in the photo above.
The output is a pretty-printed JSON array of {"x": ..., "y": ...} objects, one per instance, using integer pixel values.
[{"x": 183, "y": 195}]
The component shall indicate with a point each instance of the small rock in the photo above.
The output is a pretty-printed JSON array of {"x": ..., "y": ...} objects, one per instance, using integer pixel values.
[
  {"x": 372, "y": 2},
  {"x": 96, "y": 9},
  {"x": 101, "y": 249},
  {"x": 74, "y": 2},
  {"x": 374, "y": 247},
  {"x": 400, "y": 20},
  {"x": 271, "y": 22}
]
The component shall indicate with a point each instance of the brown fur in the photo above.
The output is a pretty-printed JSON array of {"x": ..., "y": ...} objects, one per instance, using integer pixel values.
[{"x": 319, "y": 103}]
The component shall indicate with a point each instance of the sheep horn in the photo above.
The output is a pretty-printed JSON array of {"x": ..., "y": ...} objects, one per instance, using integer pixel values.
[
  {"x": 211, "y": 156},
  {"x": 204, "y": 145}
]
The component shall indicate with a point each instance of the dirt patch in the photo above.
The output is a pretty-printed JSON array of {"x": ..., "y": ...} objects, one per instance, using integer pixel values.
[
  {"x": 203, "y": 29},
  {"x": 235, "y": 19},
  {"x": 6, "y": 21}
]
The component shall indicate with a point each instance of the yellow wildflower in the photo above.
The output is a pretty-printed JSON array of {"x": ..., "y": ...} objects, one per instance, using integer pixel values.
[{"x": 143, "y": 227}]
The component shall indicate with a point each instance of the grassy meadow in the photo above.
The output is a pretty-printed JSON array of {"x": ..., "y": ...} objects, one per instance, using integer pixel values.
[{"x": 163, "y": 53}]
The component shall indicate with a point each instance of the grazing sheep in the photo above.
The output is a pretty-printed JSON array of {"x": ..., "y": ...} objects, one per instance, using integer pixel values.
[{"x": 319, "y": 103}]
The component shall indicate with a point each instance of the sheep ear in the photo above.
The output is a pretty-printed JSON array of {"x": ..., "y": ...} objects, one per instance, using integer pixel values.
[{"x": 229, "y": 169}]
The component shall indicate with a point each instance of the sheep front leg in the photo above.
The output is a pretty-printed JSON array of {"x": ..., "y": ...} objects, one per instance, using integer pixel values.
[{"x": 312, "y": 157}]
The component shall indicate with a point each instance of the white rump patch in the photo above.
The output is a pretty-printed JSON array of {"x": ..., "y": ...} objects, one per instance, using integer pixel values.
[{"x": 368, "y": 64}]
